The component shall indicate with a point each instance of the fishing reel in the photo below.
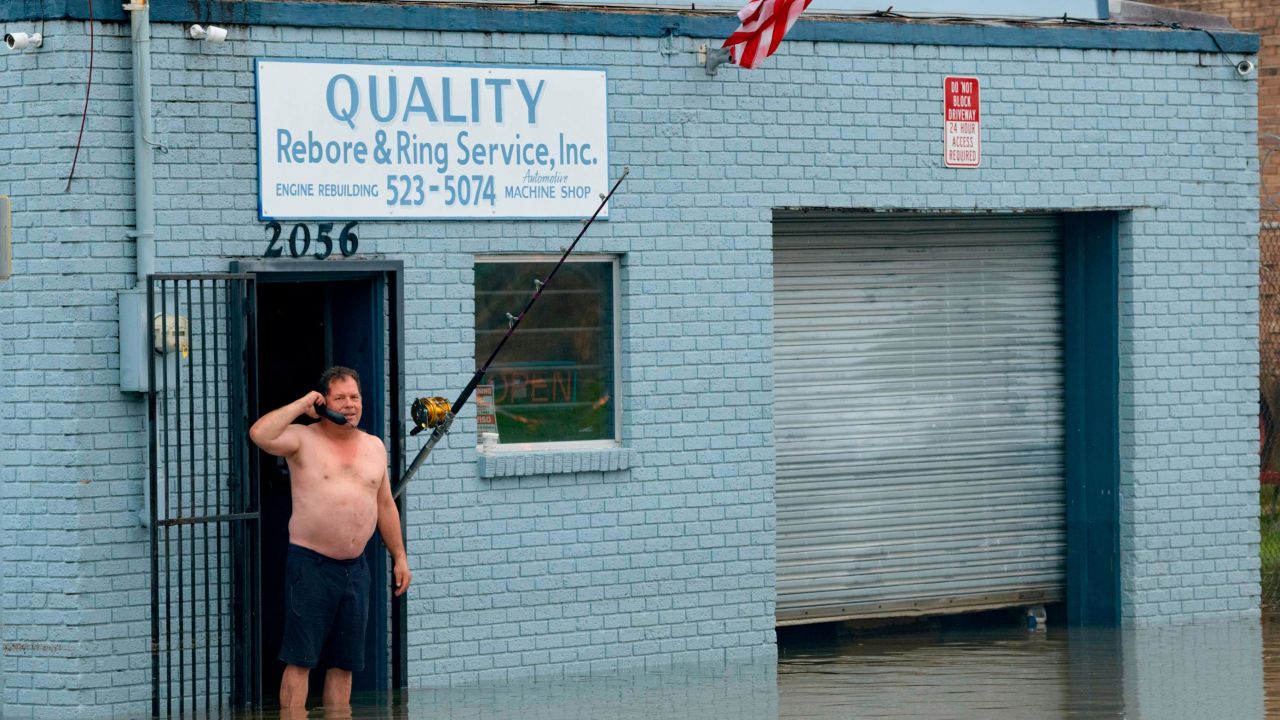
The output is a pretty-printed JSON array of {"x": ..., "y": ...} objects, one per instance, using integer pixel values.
[{"x": 428, "y": 412}]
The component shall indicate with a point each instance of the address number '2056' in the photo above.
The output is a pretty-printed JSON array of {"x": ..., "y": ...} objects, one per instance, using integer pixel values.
[{"x": 299, "y": 242}]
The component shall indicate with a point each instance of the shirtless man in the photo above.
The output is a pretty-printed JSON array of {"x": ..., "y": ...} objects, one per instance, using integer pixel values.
[{"x": 338, "y": 477}]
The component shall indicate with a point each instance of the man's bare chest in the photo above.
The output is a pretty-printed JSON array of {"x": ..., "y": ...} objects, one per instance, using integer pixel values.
[
  {"x": 355, "y": 466},
  {"x": 362, "y": 468}
]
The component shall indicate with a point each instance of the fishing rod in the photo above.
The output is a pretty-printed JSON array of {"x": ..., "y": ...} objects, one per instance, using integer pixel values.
[{"x": 436, "y": 413}]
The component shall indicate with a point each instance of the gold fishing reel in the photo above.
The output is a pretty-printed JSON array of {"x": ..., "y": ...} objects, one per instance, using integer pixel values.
[{"x": 428, "y": 412}]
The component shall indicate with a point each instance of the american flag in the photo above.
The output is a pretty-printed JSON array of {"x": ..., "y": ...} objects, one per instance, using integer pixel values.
[{"x": 763, "y": 23}]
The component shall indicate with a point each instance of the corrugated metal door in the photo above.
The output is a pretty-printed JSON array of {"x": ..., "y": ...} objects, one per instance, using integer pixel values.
[{"x": 918, "y": 371}]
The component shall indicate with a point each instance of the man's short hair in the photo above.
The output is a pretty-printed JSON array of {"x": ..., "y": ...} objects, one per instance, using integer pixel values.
[{"x": 337, "y": 372}]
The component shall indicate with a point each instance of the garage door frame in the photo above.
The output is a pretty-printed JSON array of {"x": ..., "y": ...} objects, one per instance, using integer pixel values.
[{"x": 1091, "y": 362}]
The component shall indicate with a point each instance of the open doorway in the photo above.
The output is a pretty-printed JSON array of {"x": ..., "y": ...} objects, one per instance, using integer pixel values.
[{"x": 310, "y": 317}]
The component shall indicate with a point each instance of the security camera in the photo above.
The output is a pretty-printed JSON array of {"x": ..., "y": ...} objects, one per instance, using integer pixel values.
[
  {"x": 1244, "y": 67},
  {"x": 22, "y": 41},
  {"x": 212, "y": 33}
]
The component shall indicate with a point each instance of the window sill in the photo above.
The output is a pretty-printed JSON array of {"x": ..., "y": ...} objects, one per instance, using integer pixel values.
[{"x": 552, "y": 462}]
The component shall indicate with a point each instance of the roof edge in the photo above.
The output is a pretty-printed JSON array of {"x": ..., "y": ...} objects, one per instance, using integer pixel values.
[{"x": 633, "y": 22}]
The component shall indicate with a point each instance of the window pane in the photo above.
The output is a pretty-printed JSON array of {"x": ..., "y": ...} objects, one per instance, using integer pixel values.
[{"x": 553, "y": 381}]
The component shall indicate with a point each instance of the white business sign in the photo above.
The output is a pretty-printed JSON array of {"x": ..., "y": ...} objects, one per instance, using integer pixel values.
[{"x": 396, "y": 142}]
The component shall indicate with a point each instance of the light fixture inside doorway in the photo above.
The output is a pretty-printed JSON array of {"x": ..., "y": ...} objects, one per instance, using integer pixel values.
[{"x": 209, "y": 33}]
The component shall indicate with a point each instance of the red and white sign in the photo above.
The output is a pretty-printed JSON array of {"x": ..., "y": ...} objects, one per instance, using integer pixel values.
[{"x": 962, "y": 122}]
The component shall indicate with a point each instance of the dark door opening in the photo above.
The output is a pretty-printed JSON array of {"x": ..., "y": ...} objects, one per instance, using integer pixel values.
[{"x": 309, "y": 322}]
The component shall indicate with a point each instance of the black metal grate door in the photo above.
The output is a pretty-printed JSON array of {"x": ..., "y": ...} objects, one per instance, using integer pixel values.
[{"x": 205, "y": 528}]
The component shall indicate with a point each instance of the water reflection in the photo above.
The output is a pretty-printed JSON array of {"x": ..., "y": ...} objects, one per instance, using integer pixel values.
[
  {"x": 944, "y": 673},
  {"x": 736, "y": 692},
  {"x": 1164, "y": 673},
  {"x": 1195, "y": 671},
  {"x": 932, "y": 671},
  {"x": 1271, "y": 663}
]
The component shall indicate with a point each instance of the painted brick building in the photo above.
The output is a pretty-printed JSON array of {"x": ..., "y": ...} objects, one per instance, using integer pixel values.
[
  {"x": 686, "y": 530},
  {"x": 1259, "y": 17}
]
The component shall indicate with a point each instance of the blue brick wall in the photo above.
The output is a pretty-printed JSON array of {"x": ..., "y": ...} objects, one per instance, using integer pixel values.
[
  {"x": 666, "y": 554},
  {"x": 72, "y": 583},
  {"x": 1189, "y": 478}
]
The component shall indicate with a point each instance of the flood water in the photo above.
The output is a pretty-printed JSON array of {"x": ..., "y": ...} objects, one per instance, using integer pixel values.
[
  {"x": 1213, "y": 671},
  {"x": 953, "y": 670}
]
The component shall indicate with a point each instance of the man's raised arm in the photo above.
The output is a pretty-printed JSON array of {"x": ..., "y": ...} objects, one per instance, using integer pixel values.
[{"x": 271, "y": 432}]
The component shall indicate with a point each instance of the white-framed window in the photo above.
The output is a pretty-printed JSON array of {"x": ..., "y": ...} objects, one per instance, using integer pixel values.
[{"x": 556, "y": 379}]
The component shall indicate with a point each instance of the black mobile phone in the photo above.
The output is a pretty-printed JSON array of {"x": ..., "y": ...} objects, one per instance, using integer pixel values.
[{"x": 331, "y": 415}]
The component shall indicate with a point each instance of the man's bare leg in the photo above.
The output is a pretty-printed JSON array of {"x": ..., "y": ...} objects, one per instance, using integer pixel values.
[
  {"x": 337, "y": 688},
  {"x": 293, "y": 686}
]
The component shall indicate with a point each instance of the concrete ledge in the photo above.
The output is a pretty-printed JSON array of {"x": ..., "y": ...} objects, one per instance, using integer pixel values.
[{"x": 509, "y": 464}]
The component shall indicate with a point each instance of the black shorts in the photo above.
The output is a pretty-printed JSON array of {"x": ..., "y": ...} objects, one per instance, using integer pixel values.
[{"x": 326, "y": 610}]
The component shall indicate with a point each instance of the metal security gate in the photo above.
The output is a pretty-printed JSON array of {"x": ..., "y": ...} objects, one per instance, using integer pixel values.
[
  {"x": 203, "y": 497},
  {"x": 920, "y": 450}
]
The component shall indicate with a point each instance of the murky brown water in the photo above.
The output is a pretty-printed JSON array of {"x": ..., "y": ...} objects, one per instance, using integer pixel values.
[
  {"x": 1218, "y": 671},
  {"x": 1271, "y": 664}
]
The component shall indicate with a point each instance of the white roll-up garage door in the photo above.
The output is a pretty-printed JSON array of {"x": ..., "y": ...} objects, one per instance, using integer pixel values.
[{"x": 919, "y": 414}]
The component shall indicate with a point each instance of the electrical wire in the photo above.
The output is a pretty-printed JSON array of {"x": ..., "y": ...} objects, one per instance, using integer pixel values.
[
  {"x": 1064, "y": 19},
  {"x": 84, "y": 117},
  {"x": 1218, "y": 45}
]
